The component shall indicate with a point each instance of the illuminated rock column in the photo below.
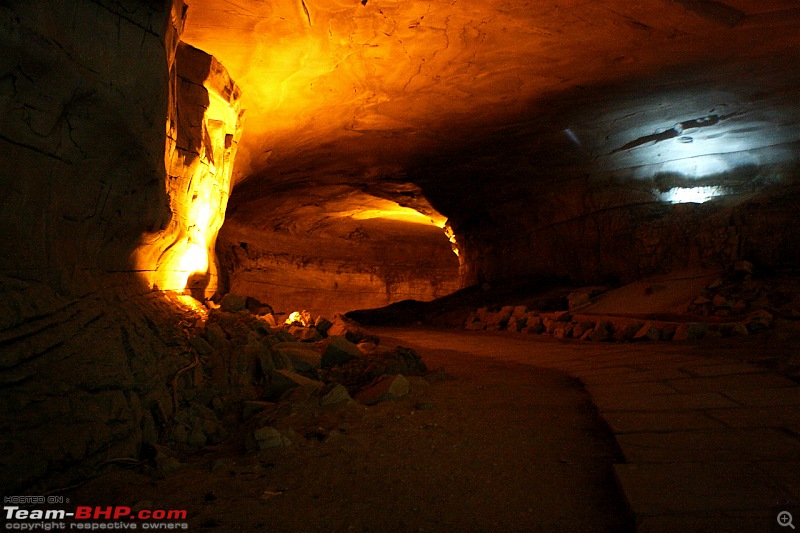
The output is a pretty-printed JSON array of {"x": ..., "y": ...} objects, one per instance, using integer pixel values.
[{"x": 203, "y": 131}]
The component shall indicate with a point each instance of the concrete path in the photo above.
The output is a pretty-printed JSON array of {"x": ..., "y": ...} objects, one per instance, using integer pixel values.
[{"x": 710, "y": 444}]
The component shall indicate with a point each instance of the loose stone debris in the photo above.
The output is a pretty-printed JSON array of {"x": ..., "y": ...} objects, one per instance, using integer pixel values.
[
  {"x": 737, "y": 303},
  {"x": 253, "y": 371}
]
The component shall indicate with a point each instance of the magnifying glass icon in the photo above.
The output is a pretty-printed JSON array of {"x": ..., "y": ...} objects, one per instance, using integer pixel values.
[{"x": 785, "y": 519}]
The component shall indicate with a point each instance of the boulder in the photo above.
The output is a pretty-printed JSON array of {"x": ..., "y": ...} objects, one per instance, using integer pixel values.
[
  {"x": 268, "y": 437},
  {"x": 667, "y": 331},
  {"x": 412, "y": 360},
  {"x": 625, "y": 330},
  {"x": 217, "y": 338},
  {"x": 252, "y": 408},
  {"x": 740, "y": 329},
  {"x": 280, "y": 360},
  {"x": 474, "y": 323},
  {"x": 302, "y": 358},
  {"x": 251, "y": 356},
  {"x": 269, "y": 318},
  {"x": 256, "y": 307},
  {"x": 497, "y": 320},
  {"x": 322, "y": 325},
  {"x": 681, "y": 333},
  {"x": 371, "y": 348},
  {"x": 200, "y": 345},
  {"x": 648, "y": 332},
  {"x": 281, "y": 381},
  {"x": 232, "y": 303},
  {"x": 337, "y": 351},
  {"x": 333, "y": 395},
  {"x": 553, "y": 325},
  {"x": 602, "y": 332},
  {"x": 385, "y": 388},
  {"x": 282, "y": 335},
  {"x": 759, "y": 321},
  {"x": 744, "y": 267},
  {"x": 578, "y": 329},
  {"x": 164, "y": 459},
  {"x": 578, "y": 299},
  {"x": 519, "y": 312},
  {"x": 343, "y": 327},
  {"x": 563, "y": 332},
  {"x": 562, "y": 316},
  {"x": 739, "y": 306},
  {"x": 305, "y": 334},
  {"x": 583, "y": 296},
  {"x": 690, "y": 331},
  {"x": 534, "y": 324},
  {"x": 720, "y": 301},
  {"x": 477, "y": 325}
]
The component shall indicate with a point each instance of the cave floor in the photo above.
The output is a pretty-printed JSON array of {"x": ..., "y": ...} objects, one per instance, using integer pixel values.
[
  {"x": 709, "y": 431},
  {"x": 517, "y": 433}
]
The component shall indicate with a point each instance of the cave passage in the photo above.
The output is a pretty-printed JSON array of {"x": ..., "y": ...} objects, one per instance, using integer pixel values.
[
  {"x": 335, "y": 249},
  {"x": 216, "y": 215}
]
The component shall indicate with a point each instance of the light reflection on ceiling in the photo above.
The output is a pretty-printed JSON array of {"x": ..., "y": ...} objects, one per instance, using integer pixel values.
[
  {"x": 694, "y": 195},
  {"x": 392, "y": 211},
  {"x": 369, "y": 83},
  {"x": 478, "y": 102}
]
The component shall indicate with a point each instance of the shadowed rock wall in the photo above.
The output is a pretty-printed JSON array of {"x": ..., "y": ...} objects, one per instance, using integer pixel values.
[
  {"x": 630, "y": 179},
  {"x": 627, "y": 242},
  {"x": 87, "y": 349}
]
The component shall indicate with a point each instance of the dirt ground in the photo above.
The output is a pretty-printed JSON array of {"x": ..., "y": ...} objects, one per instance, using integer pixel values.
[{"x": 481, "y": 445}]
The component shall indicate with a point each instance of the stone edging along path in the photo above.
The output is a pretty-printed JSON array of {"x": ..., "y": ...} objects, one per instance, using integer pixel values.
[{"x": 599, "y": 328}]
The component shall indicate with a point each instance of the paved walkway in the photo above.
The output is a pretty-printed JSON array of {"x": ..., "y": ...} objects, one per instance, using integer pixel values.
[{"x": 710, "y": 444}]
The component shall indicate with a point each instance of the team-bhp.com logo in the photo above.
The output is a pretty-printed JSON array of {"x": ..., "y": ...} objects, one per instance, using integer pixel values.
[{"x": 94, "y": 518}]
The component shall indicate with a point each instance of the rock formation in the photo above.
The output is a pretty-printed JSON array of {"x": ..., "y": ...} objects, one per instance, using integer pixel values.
[
  {"x": 93, "y": 219},
  {"x": 595, "y": 142}
]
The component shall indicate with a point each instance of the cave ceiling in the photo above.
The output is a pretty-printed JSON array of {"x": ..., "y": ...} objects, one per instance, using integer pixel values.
[{"x": 387, "y": 98}]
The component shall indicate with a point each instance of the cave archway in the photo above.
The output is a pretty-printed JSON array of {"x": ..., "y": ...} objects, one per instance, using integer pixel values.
[{"x": 330, "y": 249}]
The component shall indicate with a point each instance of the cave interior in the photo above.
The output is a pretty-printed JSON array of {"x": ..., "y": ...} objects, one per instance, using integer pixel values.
[{"x": 173, "y": 170}]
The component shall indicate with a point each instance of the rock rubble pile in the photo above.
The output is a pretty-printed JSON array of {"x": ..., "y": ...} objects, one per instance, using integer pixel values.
[
  {"x": 247, "y": 364},
  {"x": 735, "y": 304}
]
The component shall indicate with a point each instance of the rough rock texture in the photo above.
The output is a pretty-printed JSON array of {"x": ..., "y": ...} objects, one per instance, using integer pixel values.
[
  {"x": 557, "y": 138},
  {"x": 82, "y": 135},
  {"x": 330, "y": 250},
  {"x": 203, "y": 131},
  {"x": 91, "y": 370},
  {"x": 90, "y": 357},
  {"x": 637, "y": 239}
]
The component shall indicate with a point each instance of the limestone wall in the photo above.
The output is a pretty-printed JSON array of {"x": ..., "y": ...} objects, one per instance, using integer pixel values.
[
  {"x": 90, "y": 217},
  {"x": 638, "y": 238},
  {"x": 203, "y": 131},
  {"x": 363, "y": 264}
]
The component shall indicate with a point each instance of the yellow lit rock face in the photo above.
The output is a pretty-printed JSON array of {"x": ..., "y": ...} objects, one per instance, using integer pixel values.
[
  {"x": 334, "y": 249},
  {"x": 203, "y": 130},
  {"x": 541, "y": 131},
  {"x": 383, "y": 80}
]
